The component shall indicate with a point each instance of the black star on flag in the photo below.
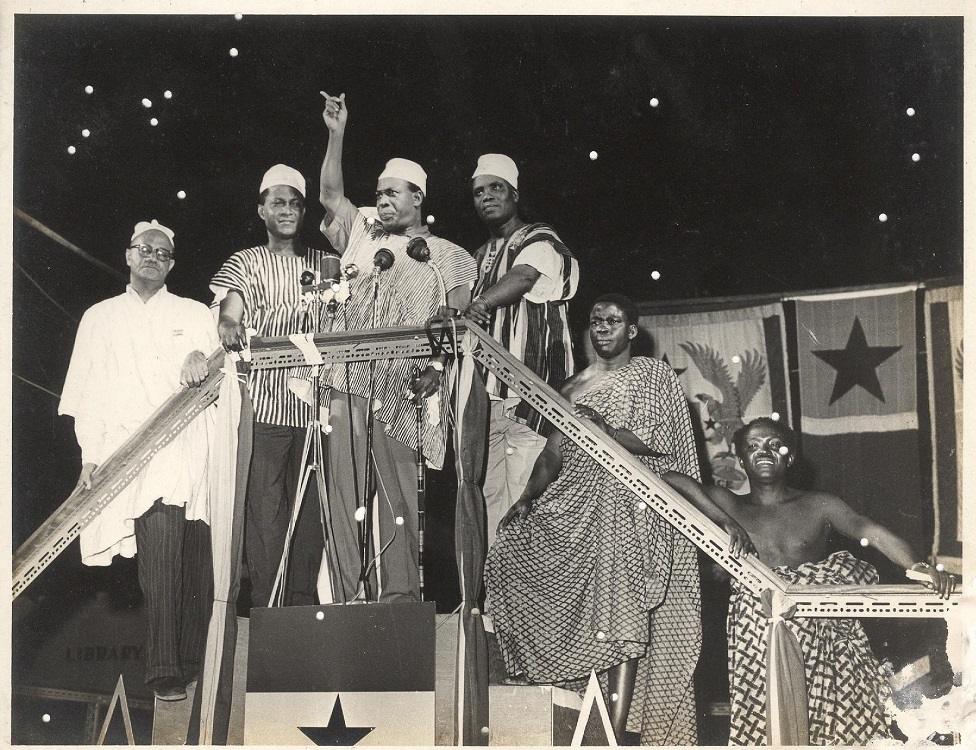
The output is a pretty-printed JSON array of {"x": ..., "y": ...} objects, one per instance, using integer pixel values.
[
  {"x": 336, "y": 733},
  {"x": 677, "y": 370},
  {"x": 856, "y": 363}
]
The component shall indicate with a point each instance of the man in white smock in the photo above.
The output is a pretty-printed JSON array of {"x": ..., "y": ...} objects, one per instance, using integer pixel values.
[{"x": 131, "y": 353}]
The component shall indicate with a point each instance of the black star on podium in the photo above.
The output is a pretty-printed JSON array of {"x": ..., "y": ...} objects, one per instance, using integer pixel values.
[
  {"x": 336, "y": 733},
  {"x": 856, "y": 363}
]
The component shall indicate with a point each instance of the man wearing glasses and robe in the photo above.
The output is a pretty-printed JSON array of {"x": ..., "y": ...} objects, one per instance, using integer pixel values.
[{"x": 132, "y": 352}]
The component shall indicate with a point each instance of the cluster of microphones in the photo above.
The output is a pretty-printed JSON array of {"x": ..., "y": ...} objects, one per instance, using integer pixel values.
[{"x": 332, "y": 284}]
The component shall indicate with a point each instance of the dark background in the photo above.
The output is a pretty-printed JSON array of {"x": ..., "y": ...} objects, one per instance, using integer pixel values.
[{"x": 776, "y": 145}]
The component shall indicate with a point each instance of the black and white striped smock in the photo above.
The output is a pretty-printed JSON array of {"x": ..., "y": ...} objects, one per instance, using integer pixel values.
[
  {"x": 270, "y": 285},
  {"x": 409, "y": 294}
]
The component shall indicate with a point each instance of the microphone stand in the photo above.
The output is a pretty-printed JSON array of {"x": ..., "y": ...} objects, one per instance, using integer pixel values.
[
  {"x": 421, "y": 488},
  {"x": 366, "y": 529},
  {"x": 312, "y": 447}
]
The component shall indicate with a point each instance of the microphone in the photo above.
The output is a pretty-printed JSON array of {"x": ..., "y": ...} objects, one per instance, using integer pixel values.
[
  {"x": 383, "y": 260},
  {"x": 418, "y": 249}
]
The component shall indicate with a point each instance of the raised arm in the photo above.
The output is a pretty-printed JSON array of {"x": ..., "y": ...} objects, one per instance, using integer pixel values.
[
  {"x": 331, "y": 191},
  {"x": 852, "y": 524}
]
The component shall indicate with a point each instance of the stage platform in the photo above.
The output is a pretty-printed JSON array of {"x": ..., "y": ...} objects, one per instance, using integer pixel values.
[{"x": 518, "y": 715}]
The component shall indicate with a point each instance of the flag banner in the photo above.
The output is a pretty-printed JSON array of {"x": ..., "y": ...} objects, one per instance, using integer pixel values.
[
  {"x": 341, "y": 675},
  {"x": 856, "y": 355},
  {"x": 732, "y": 366},
  {"x": 944, "y": 336}
]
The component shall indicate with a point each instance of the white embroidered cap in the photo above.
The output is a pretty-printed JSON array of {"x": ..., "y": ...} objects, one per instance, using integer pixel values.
[
  {"x": 497, "y": 165},
  {"x": 405, "y": 169},
  {"x": 145, "y": 226},
  {"x": 282, "y": 174}
]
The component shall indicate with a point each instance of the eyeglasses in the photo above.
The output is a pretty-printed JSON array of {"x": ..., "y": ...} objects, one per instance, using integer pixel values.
[{"x": 162, "y": 254}]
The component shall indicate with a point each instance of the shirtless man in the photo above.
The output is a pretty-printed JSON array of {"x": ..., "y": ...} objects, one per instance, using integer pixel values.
[{"x": 789, "y": 528}]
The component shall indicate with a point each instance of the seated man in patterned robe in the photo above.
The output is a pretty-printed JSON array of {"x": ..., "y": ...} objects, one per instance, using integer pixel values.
[
  {"x": 583, "y": 576},
  {"x": 846, "y": 688}
]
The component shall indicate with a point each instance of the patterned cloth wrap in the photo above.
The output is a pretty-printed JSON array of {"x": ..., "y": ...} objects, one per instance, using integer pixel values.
[
  {"x": 846, "y": 686},
  {"x": 591, "y": 577}
]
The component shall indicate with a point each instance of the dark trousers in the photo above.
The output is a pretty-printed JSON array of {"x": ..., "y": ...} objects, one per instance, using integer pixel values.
[
  {"x": 276, "y": 466},
  {"x": 396, "y": 485},
  {"x": 176, "y": 578}
]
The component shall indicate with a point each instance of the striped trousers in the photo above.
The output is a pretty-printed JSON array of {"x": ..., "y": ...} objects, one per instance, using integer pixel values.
[{"x": 176, "y": 578}]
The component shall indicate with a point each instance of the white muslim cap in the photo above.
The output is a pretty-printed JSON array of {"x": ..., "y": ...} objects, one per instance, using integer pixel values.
[
  {"x": 497, "y": 165},
  {"x": 145, "y": 226},
  {"x": 404, "y": 169},
  {"x": 282, "y": 174}
]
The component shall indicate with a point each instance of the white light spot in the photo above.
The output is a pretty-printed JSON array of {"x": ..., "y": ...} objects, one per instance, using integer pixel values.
[
  {"x": 320, "y": 615},
  {"x": 600, "y": 635},
  {"x": 654, "y": 101},
  {"x": 593, "y": 155},
  {"x": 784, "y": 451},
  {"x": 864, "y": 541},
  {"x": 167, "y": 94},
  {"x": 328, "y": 429},
  {"x": 71, "y": 149},
  {"x": 85, "y": 132},
  {"x": 614, "y": 697},
  {"x": 475, "y": 611},
  {"x": 360, "y": 514},
  {"x": 430, "y": 218},
  {"x": 882, "y": 217},
  {"x": 398, "y": 520},
  {"x": 370, "y": 219},
  {"x": 641, "y": 505},
  {"x": 153, "y": 121},
  {"x": 147, "y": 103},
  {"x": 46, "y": 718},
  {"x": 910, "y": 111},
  {"x": 916, "y": 157},
  {"x": 655, "y": 275},
  {"x": 774, "y": 416},
  {"x": 181, "y": 194},
  {"x": 238, "y": 16},
  {"x": 89, "y": 89},
  {"x": 736, "y": 359},
  {"x": 377, "y": 404},
  {"x": 484, "y": 731},
  {"x": 233, "y": 51},
  {"x": 939, "y": 567},
  {"x": 509, "y": 451}
]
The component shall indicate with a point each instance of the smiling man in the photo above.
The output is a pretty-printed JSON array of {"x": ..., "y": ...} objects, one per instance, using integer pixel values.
[
  {"x": 407, "y": 293},
  {"x": 260, "y": 288},
  {"x": 133, "y": 352},
  {"x": 526, "y": 278},
  {"x": 790, "y": 528}
]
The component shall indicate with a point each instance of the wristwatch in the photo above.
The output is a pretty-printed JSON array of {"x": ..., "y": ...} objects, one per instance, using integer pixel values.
[{"x": 437, "y": 365}]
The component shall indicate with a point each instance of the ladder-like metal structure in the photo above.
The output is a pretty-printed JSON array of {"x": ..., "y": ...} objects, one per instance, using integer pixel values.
[
  {"x": 54, "y": 535},
  {"x": 65, "y": 524}
]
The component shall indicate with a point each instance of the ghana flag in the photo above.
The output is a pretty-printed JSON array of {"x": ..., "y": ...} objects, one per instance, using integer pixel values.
[
  {"x": 356, "y": 674},
  {"x": 856, "y": 353}
]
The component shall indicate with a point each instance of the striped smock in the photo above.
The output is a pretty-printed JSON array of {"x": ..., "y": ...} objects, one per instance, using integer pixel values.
[
  {"x": 270, "y": 285},
  {"x": 408, "y": 295},
  {"x": 536, "y": 329}
]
